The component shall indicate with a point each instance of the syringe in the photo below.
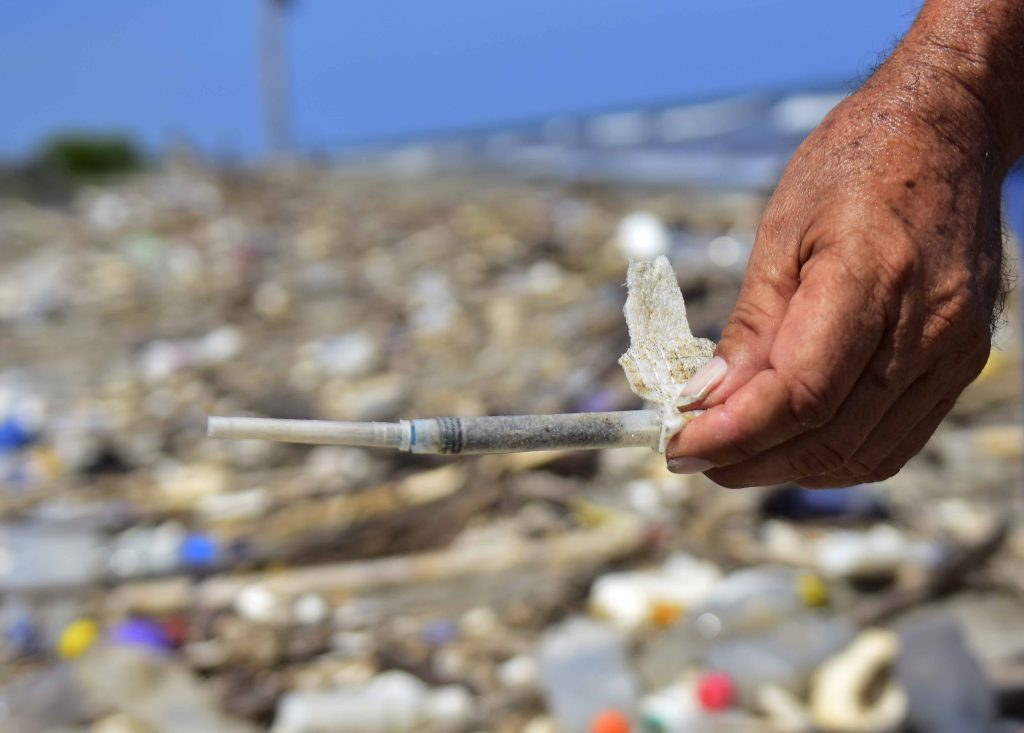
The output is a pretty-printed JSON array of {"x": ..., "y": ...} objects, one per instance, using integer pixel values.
[{"x": 459, "y": 435}]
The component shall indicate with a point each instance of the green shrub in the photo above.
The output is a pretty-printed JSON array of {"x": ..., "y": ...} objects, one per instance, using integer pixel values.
[{"x": 89, "y": 156}]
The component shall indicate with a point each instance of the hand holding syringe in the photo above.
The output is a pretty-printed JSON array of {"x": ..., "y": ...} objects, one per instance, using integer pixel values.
[{"x": 662, "y": 356}]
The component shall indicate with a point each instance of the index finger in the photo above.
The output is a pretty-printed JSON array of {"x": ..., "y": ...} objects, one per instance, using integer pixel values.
[{"x": 833, "y": 325}]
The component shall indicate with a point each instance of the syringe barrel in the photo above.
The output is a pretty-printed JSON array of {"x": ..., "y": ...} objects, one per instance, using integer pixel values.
[
  {"x": 323, "y": 432},
  {"x": 518, "y": 433}
]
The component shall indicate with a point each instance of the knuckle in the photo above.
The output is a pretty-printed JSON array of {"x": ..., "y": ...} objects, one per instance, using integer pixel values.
[
  {"x": 810, "y": 402},
  {"x": 961, "y": 315},
  {"x": 821, "y": 458},
  {"x": 773, "y": 222},
  {"x": 748, "y": 319},
  {"x": 949, "y": 316},
  {"x": 879, "y": 377},
  {"x": 874, "y": 285},
  {"x": 897, "y": 265}
]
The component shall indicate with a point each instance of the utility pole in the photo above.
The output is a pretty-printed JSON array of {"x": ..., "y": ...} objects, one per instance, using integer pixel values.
[{"x": 274, "y": 68}]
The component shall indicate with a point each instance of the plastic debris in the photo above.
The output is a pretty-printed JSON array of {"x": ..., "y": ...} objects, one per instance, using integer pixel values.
[
  {"x": 945, "y": 685},
  {"x": 879, "y": 551},
  {"x": 658, "y": 597},
  {"x": 785, "y": 654},
  {"x": 154, "y": 581},
  {"x": 715, "y": 691},
  {"x": 151, "y": 688},
  {"x": 855, "y": 692},
  {"x": 610, "y": 721},
  {"x": 44, "y": 700},
  {"x": 394, "y": 701},
  {"x": 141, "y": 633},
  {"x": 642, "y": 236},
  {"x": 198, "y": 550},
  {"x": 584, "y": 674},
  {"x": 78, "y": 637},
  {"x": 856, "y": 503}
]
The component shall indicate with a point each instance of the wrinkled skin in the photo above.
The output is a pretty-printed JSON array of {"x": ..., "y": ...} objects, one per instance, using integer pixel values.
[{"x": 868, "y": 301}]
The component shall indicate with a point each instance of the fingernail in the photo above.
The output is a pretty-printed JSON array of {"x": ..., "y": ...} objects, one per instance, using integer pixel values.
[
  {"x": 689, "y": 465},
  {"x": 706, "y": 379}
]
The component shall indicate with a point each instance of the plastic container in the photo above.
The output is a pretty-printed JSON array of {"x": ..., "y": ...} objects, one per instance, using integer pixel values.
[
  {"x": 583, "y": 672},
  {"x": 41, "y": 555},
  {"x": 392, "y": 702},
  {"x": 785, "y": 655},
  {"x": 658, "y": 597},
  {"x": 43, "y": 701},
  {"x": 879, "y": 552},
  {"x": 143, "y": 550},
  {"x": 946, "y": 688},
  {"x": 757, "y": 598},
  {"x": 745, "y": 602},
  {"x": 155, "y": 689}
]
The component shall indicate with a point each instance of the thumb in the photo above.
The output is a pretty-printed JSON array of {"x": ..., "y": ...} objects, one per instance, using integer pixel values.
[{"x": 748, "y": 336}]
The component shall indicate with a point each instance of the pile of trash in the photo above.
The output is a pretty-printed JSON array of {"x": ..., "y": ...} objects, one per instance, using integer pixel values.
[{"x": 154, "y": 581}]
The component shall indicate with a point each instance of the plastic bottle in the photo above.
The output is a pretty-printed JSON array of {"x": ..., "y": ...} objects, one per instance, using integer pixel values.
[
  {"x": 757, "y": 598},
  {"x": 946, "y": 689},
  {"x": 583, "y": 672},
  {"x": 785, "y": 655},
  {"x": 42, "y": 701},
  {"x": 142, "y": 550},
  {"x": 154, "y": 688},
  {"x": 40, "y": 555},
  {"x": 392, "y": 702},
  {"x": 657, "y": 597},
  {"x": 744, "y": 602}
]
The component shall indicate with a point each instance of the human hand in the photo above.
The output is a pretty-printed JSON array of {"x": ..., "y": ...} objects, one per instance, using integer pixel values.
[{"x": 869, "y": 297}]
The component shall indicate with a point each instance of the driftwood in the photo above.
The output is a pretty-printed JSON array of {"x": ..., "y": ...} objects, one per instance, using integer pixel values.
[
  {"x": 939, "y": 582},
  {"x": 600, "y": 545}
]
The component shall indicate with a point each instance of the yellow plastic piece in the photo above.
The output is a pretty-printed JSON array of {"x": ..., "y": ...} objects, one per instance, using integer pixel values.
[
  {"x": 812, "y": 590},
  {"x": 665, "y": 614},
  {"x": 77, "y": 637},
  {"x": 588, "y": 514}
]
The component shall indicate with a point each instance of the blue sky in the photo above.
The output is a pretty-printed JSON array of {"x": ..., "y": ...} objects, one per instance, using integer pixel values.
[{"x": 167, "y": 69}]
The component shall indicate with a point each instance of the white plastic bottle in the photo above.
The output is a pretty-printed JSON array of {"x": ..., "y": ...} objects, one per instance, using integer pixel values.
[
  {"x": 785, "y": 655},
  {"x": 757, "y": 598},
  {"x": 583, "y": 671},
  {"x": 392, "y": 702}
]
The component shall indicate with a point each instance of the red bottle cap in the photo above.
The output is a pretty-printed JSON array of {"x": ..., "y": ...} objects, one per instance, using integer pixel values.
[{"x": 715, "y": 691}]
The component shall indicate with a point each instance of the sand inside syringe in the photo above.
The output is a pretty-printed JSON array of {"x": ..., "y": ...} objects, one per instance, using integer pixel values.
[{"x": 459, "y": 435}]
